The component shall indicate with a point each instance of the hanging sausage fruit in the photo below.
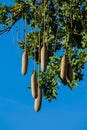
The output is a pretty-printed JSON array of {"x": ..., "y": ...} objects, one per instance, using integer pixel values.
[
  {"x": 63, "y": 69},
  {"x": 25, "y": 54},
  {"x": 34, "y": 77},
  {"x": 38, "y": 100},
  {"x": 44, "y": 52},
  {"x": 34, "y": 85},
  {"x": 44, "y": 57},
  {"x": 24, "y": 62}
]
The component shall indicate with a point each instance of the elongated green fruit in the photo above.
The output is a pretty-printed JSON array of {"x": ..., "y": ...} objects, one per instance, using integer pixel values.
[
  {"x": 24, "y": 62},
  {"x": 38, "y": 100},
  {"x": 63, "y": 68},
  {"x": 44, "y": 58},
  {"x": 69, "y": 76},
  {"x": 34, "y": 85}
]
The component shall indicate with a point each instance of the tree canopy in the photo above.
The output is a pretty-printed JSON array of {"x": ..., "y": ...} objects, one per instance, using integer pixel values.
[{"x": 62, "y": 25}]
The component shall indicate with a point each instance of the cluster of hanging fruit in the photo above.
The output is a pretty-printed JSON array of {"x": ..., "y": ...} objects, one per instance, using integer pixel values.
[
  {"x": 66, "y": 72},
  {"x": 36, "y": 90}
]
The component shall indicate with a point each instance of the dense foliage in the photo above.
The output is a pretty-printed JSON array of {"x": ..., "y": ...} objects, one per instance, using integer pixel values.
[{"x": 62, "y": 25}]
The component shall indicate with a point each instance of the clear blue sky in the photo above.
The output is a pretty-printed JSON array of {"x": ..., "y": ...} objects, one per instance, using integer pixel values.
[{"x": 68, "y": 112}]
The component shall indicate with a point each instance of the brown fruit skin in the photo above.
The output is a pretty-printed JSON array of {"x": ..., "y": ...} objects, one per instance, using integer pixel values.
[
  {"x": 44, "y": 55},
  {"x": 69, "y": 76},
  {"x": 24, "y": 62},
  {"x": 38, "y": 100},
  {"x": 34, "y": 85},
  {"x": 63, "y": 68}
]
